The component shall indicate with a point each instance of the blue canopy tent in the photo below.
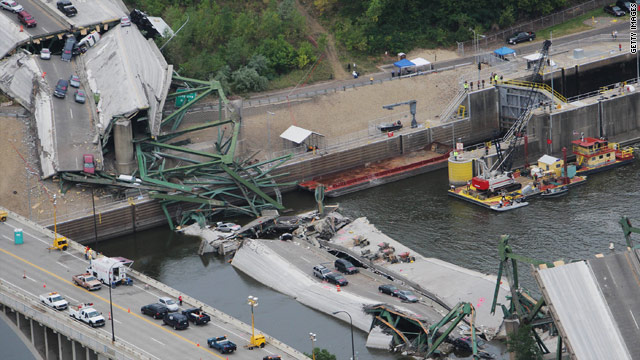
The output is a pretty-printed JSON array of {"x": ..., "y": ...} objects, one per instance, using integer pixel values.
[
  {"x": 404, "y": 63},
  {"x": 504, "y": 51}
]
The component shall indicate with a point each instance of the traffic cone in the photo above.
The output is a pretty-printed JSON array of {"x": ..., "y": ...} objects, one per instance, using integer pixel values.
[
  {"x": 44, "y": 285},
  {"x": 21, "y": 28},
  {"x": 24, "y": 275},
  {"x": 338, "y": 287},
  {"x": 128, "y": 310},
  {"x": 109, "y": 316},
  {"x": 198, "y": 345}
]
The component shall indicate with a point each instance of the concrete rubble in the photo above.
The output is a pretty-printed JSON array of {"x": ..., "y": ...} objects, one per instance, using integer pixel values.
[{"x": 212, "y": 241}]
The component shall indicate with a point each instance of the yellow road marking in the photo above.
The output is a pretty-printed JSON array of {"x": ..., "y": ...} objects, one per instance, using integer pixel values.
[{"x": 107, "y": 301}]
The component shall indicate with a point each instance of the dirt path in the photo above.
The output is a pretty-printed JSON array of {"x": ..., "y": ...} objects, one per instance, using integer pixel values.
[{"x": 331, "y": 55}]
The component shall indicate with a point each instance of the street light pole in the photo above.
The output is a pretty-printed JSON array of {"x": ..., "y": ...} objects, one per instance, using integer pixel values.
[
  {"x": 312, "y": 336},
  {"x": 353, "y": 351},
  {"x": 253, "y": 302},
  {"x": 113, "y": 334}
]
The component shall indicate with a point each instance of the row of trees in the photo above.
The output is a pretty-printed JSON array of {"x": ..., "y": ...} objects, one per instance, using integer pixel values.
[
  {"x": 375, "y": 26},
  {"x": 242, "y": 43}
]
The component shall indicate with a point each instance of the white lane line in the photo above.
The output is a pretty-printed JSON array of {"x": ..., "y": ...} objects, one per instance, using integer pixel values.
[
  {"x": 71, "y": 112},
  {"x": 159, "y": 342},
  {"x": 303, "y": 258},
  {"x": 72, "y": 299},
  {"x": 634, "y": 319},
  {"x": 8, "y": 238},
  {"x": 114, "y": 320},
  {"x": 61, "y": 264},
  {"x": 18, "y": 287},
  {"x": 44, "y": 29}
]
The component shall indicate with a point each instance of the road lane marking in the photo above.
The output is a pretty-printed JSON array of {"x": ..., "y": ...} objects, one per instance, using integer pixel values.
[
  {"x": 71, "y": 112},
  {"x": 303, "y": 258},
  {"x": 63, "y": 265},
  {"x": 158, "y": 341},
  {"x": 126, "y": 310},
  {"x": 44, "y": 29},
  {"x": 18, "y": 287},
  {"x": 634, "y": 319},
  {"x": 8, "y": 238}
]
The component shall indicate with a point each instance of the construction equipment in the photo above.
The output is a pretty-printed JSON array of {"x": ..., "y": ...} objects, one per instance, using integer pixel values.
[
  {"x": 499, "y": 176},
  {"x": 257, "y": 340},
  {"x": 360, "y": 240},
  {"x": 59, "y": 242},
  {"x": 412, "y": 109},
  {"x": 523, "y": 306},
  {"x": 3, "y": 216}
]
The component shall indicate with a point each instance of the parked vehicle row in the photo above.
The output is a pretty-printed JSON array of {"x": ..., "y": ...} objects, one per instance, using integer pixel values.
[{"x": 83, "y": 311}]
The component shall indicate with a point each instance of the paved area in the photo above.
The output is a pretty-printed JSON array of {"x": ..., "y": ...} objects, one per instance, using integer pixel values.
[
  {"x": 595, "y": 305},
  {"x": 32, "y": 270}
]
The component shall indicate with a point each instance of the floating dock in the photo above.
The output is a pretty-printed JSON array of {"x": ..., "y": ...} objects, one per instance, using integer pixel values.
[{"x": 381, "y": 172}]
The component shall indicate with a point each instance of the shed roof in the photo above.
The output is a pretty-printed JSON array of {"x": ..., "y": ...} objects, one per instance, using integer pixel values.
[
  {"x": 547, "y": 159},
  {"x": 297, "y": 134}
]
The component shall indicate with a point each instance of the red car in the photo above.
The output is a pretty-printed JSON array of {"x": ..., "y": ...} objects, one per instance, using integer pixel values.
[
  {"x": 27, "y": 19},
  {"x": 89, "y": 166}
]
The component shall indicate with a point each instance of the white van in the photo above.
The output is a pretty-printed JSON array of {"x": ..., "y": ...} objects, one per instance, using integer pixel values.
[{"x": 103, "y": 266}]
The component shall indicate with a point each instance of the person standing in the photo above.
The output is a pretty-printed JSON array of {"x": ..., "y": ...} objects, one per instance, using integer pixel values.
[
  {"x": 466, "y": 85},
  {"x": 180, "y": 300}
]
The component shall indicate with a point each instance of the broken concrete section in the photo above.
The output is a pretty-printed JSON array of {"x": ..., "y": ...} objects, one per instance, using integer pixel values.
[
  {"x": 16, "y": 77},
  {"x": 447, "y": 282},
  {"x": 213, "y": 241}
]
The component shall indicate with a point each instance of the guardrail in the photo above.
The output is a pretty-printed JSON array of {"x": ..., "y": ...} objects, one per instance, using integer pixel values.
[
  {"x": 602, "y": 90},
  {"x": 538, "y": 86},
  {"x": 57, "y": 321}
]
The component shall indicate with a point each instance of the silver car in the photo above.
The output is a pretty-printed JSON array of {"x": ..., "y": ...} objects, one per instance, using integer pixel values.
[
  {"x": 11, "y": 6},
  {"x": 45, "y": 54}
]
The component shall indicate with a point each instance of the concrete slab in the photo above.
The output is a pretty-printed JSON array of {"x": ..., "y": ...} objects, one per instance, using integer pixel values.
[
  {"x": 90, "y": 12},
  {"x": 129, "y": 74},
  {"x": 16, "y": 77},
  {"x": 10, "y": 35},
  {"x": 581, "y": 312},
  {"x": 448, "y": 282}
]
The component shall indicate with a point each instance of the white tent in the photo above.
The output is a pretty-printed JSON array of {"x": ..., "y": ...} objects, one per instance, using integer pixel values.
[
  {"x": 535, "y": 57},
  {"x": 421, "y": 63},
  {"x": 297, "y": 134}
]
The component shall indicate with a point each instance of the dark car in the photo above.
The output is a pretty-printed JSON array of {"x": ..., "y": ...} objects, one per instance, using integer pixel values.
[
  {"x": 176, "y": 320},
  {"x": 157, "y": 311},
  {"x": 336, "y": 278},
  {"x": 197, "y": 316},
  {"x": 624, "y": 5},
  {"x": 613, "y": 10},
  {"x": 26, "y": 19},
  {"x": 521, "y": 36},
  {"x": 222, "y": 344},
  {"x": 407, "y": 295},
  {"x": 69, "y": 45},
  {"x": 321, "y": 272},
  {"x": 345, "y": 266},
  {"x": 388, "y": 289},
  {"x": 272, "y": 357},
  {"x": 67, "y": 8},
  {"x": 61, "y": 89}
]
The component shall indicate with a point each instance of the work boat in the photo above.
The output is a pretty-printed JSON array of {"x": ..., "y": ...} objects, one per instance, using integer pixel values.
[
  {"x": 509, "y": 205},
  {"x": 595, "y": 155}
]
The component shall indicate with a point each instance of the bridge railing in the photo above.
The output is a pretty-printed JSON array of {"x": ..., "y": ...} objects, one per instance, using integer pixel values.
[{"x": 57, "y": 321}]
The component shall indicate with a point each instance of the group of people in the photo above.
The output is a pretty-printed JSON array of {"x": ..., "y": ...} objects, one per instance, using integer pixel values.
[{"x": 493, "y": 79}]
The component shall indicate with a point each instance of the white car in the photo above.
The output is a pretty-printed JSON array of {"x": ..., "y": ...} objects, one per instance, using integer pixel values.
[
  {"x": 45, "y": 54},
  {"x": 227, "y": 227},
  {"x": 11, "y": 6},
  {"x": 125, "y": 21},
  {"x": 169, "y": 303}
]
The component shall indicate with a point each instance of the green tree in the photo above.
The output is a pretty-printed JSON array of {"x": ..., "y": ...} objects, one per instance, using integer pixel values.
[
  {"x": 322, "y": 354},
  {"x": 523, "y": 344},
  {"x": 247, "y": 79}
]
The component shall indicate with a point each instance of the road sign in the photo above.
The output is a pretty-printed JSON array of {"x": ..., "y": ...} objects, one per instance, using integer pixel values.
[{"x": 182, "y": 99}]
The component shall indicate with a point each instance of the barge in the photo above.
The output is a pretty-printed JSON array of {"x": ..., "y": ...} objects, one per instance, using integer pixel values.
[{"x": 595, "y": 155}]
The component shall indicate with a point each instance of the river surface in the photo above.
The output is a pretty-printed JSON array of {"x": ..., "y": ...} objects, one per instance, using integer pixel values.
[{"x": 416, "y": 212}]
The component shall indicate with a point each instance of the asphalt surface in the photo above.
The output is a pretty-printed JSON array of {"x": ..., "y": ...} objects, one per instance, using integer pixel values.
[
  {"x": 34, "y": 270},
  {"x": 74, "y": 130},
  {"x": 365, "y": 283},
  {"x": 617, "y": 277},
  {"x": 46, "y": 23}
]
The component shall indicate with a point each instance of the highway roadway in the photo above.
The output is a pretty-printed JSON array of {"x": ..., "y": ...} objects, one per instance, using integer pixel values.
[
  {"x": 34, "y": 270},
  {"x": 47, "y": 23},
  {"x": 72, "y": 121}
]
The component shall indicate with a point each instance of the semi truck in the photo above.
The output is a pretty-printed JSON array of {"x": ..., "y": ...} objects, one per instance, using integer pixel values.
[
  {"x": 87, "y": 314},
  {"x": 110, "y": 270}
]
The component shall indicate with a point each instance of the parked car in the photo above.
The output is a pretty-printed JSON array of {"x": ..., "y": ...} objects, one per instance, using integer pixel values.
[
  {"x": 624, "y": 5},
  {"x": 67, "y": 8},
  {"x": 80, "y": 96},
  {"x": 45, "y": 54},
  {"x": 61, "y": 89},
  {"x": 345, "y": 266},
  {"x": 87, "y": 281},
  {"x": 11, "y": 6},
  {"x": 521, "y": 36},
  {"x": 321, "y": 272},
  {"x": 88, "y": 164},
  {"x": 67, "y": 51},
  {"x": 169, "y": 303},
  {"x": 227, "y": 227},
  {"x": 176, "y": 320},
  {"x": 337, "y": 279},
  {"x": 197, "y": 316},
  {"x": 272, "y": 357},
  {"x": 407, "y": 296},
  {"x": 157, "y": 311},
  {"x": 388, "y": 289},
  {"x": 613, "y": 10},
  {"x": 74, "y": 81},
  {"x": 125, "y": 21},
  {"x": 26, "y": 19}
]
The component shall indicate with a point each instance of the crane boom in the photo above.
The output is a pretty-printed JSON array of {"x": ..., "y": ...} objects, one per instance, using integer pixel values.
[{"x": 412, "y": 109}]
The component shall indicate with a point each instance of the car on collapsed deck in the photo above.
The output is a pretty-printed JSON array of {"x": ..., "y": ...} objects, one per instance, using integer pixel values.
[
  {"x": 337, "y": 279},
  {"x": 26, "y": 19},
  {"x": 321, "y": 272},
  {"x": 407, "y": 296},
  {"x": 345, "y": 266},
  {"x": 388, "y": 289},
  {"x": 67, "y": 8},
  {"x": 11, "y": 6}
]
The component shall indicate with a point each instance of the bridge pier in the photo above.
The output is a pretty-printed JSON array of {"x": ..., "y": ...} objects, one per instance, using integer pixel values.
[
  {"x": 38, "y": 338},
  {"x": 123, "y": 141},
  {"x": 51, "y": 344},
  {"x": 64, "y": 347}
]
